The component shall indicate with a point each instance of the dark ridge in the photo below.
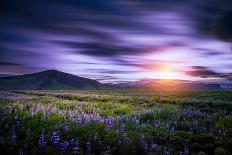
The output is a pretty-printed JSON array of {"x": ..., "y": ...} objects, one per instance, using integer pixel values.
[{"x": 49, "y": 79}]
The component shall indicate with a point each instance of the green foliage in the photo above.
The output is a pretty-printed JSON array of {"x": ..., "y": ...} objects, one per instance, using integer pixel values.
[
  {"x": 200, "y": 120},
  {"x": 220, "y": 151}
]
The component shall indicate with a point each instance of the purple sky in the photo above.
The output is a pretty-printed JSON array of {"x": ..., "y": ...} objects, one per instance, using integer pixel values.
[{"x": 118, "y": 40}]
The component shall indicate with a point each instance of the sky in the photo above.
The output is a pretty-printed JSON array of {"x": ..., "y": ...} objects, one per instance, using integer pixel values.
[{"x": 118, "y": 40}]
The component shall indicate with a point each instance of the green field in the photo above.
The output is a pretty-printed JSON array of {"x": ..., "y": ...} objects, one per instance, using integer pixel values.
[{"x": 115, "y": 122}]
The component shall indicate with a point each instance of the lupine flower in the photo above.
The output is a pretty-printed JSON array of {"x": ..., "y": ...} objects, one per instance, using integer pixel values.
[
  {"x": 109, "y": 124},
  {"x": 123, "y": 129},
  {"x": 143, "y": 144},
  {"x": 73, "y": 122},
  {"x": 95, "y": 137},
  {"x": 167, "y": 127},
  {"x": 14, "y": 137},
  {"x": 186, "y": 150},
  {"x": 55, "y": 138},
  {"x": 154, "y": 147},
  {"x": 80, "y": 119},
  {"x": 100, "y": 145},
  {"x": 88, "y": 147},
  {"x": 76, "y": 148},
  {"x": 119, "y": 143},
  {"x": 166, "y": 152},
  {"x": 42, "y": 143},
  {"x": 173, "y": 129},
  {"x": 66, "y": 128},
  {"x": 107, "y": 150}
]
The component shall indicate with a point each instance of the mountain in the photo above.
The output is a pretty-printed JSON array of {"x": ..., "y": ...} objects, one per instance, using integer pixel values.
[
  {"x": 169, "y": 85},
  {"x": 56, "y": 80},
  {"x": 50, "y": 79}
]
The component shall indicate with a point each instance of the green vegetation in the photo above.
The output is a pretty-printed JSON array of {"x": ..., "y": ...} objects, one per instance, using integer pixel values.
[{"x": 120, "y": 122}]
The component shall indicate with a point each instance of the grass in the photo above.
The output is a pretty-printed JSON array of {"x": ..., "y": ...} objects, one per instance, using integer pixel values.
[{"x": 125, "y": 122}]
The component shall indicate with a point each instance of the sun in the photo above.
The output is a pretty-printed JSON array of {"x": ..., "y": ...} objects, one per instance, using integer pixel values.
[{"x": 166, "y": 72}]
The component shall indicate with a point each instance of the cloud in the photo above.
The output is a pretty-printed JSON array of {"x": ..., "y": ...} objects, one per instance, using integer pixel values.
[
  {"x": 204, "y": 72},
  {"x": 43, "y": 33},
  {"x": 214, "y": 18},
  {"x": 101, "y": 49},
  {"x": 9, "y": 64},
  {"x": 201, "y": 71}
]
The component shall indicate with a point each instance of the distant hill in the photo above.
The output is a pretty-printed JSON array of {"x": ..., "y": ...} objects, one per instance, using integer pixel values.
[
  {"x": 170, "y": 85},
  {"x": 50, "y": 79},
  {"x": 56, "y": 80}
]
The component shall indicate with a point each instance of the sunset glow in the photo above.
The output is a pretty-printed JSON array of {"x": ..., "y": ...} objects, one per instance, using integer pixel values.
[
  {"x": 115, "y": 41},
  {"x": 166, "y": 72}
]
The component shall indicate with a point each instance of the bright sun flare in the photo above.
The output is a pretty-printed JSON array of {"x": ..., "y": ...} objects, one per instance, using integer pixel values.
[{"x": 166, "y": 72}]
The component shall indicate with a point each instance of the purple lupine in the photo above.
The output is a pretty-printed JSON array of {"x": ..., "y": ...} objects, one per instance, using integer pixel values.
[
  {"x": 42, "y": 143},
  {"x": 14, "y": 137},
  {"x": 154, "y": 147},
  {"x": 95, "y": 138},
  {"x": 143, "y": 143},
  {"x": 107, "y": 150},
  {"x": 186, "y": 150},
  {"x": 66, "y": 128},
  {"x": 173, "y": 129},
  {"x": 135, "y": 120},
  {"x": 167, "y": 127},
  {"x": 123, "y": 129},
  {"x": 100, "y": 145},
  {"x": 73, "y": 122},
  {"x": 119, "y": 143},
  {"x": 55, "y": 138},
  {"x": 88, "y": 148},
  {"x": 75, "y": 148},
  {"x": 87, "y": 119},
  {"x": 109, "y": 124},
  {"x": 166, "y": 152},
  {"x": 80, "y": 120}
]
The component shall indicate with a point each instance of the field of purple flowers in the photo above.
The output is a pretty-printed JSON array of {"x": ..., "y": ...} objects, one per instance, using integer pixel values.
[{"x": 56, "y": 122}]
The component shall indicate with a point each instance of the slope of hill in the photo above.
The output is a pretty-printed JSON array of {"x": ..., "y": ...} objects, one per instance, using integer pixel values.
[
  {"x": 50, "y": 79},
  {"x": 170, "y": 85},
  {"x": 56, "y": 80}
]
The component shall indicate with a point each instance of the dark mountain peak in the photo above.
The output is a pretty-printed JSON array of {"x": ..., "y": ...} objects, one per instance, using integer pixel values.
[
  {"x": 49, "y": 79},
  {"x": 52, "y": 71}
]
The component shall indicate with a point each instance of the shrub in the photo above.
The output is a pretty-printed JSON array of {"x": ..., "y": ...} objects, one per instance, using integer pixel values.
[
  {"x": 201, "y": 153},
  {"x": 219, "y": 151}
]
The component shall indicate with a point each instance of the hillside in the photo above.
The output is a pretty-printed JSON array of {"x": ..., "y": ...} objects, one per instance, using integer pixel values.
[
  {"x": 50, "y": 79},
  {"x": 165, "y": 85}
]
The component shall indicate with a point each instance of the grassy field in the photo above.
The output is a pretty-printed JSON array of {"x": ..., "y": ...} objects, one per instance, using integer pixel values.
[{"x": 117, "y": 122}]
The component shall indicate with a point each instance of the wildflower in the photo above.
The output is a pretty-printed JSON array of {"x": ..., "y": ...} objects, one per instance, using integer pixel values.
[
  {"x": 88, "y": 147},
  {"x": 143, "y": 143},
  {"x": 42, "y": 143},
  {"x": 55, "y": 138},
  {"x": 154, "y": 147},
  {"x": 107, "y": 150},
  {"x": 14, "y": 137},
  {"x": 100, "y": 145},
  {"x": 76, "y": 148}
]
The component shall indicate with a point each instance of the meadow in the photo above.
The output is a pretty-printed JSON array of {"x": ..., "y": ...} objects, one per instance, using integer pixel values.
[{"x": 115, "y": 122}]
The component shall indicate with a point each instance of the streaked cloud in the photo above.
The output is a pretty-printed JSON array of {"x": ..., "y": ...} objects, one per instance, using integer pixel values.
[{"x": 117, "y": 40}]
